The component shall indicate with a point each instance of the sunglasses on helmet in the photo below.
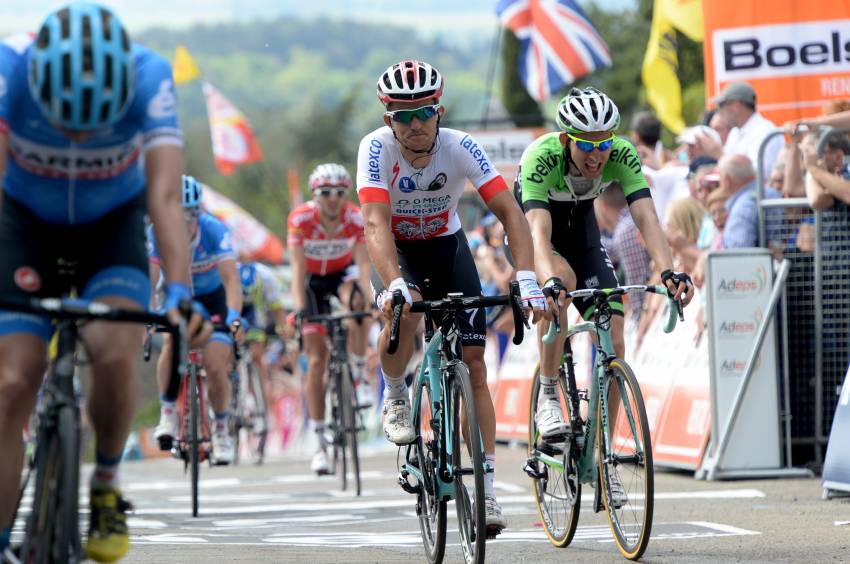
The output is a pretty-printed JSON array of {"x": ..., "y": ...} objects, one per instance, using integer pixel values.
[
  {"x": 588, "y": 146},
  {"x": 406, "y": 116},
  {"x": 328, "y": 192}
]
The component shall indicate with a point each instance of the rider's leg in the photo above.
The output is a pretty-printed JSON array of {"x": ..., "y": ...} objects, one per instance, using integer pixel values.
[
  {"x": 486, "y": 413},
  {"x": 358, "y": 334},
  {"x": 393, "y": 365},
  {"x": 316, "y": 350},
  {"x": 217, "y": 364},
  {"x": 257, "y": 350},
  {"x": 22, "y": 365},
  {"x": 113, "y": 350}
]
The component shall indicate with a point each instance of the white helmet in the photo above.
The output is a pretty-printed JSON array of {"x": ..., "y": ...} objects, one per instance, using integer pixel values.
[
  {"x": 410, "y": 81},
  {"x": 587, "y": 110},
  {"x": 329, "y": 175}
]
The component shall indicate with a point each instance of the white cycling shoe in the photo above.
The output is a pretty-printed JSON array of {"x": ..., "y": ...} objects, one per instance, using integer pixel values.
[
  {"x": 397, "y": 426},
  {"x": 550, "y": 419},
  {"x": 493, "y": 514},
  {"x": 168, "y": 428},
  {"x": 319, "y": 464},
  {"x": 222, "y": 448},
  {"x": 364, "y": 394},
  {"x": 618, "y": 492}
]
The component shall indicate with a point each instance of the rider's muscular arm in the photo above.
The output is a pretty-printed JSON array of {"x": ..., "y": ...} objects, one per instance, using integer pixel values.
[
  {"x": 505, "y": 207},
  {"x": 380, "y": 241},
  {"x": 232, "y": 284},
  {"x": 361, "y": 259},
  {"x": 540, "y": 223},
  {"x": 164, "y": 165},
  {"x": 643, "y": 212},
  {"x": 299, "y": 274}
]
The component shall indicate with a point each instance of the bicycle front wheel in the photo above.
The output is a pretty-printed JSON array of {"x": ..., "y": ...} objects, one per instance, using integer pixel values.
[
  {"x": 625, "y": 462},
  {"x": 259, "y": 425},
  {"x": 467, "y": 467},
  {"x": 194, "y": 435},
  {"x": 423, "y": 455},
  {"x": 350, "y": 423},
  {"x": 555, "y": 484}
]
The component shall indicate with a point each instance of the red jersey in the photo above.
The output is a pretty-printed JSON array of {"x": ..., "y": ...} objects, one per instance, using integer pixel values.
[{"x": 325, "y": 253}]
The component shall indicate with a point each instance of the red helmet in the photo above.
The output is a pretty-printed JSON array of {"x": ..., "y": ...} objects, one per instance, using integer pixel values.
[{"x": 410, "y": 81}]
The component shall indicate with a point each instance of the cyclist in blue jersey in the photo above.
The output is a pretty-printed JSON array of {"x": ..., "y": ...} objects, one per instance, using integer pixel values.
[
  {"x": 89, "y": 140},
  {"x": 216, "y": 286}
]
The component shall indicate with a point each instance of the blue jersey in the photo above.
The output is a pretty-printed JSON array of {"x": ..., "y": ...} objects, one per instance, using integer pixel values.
[
  {"x": 70, "y": 183},
  {"x": 212, "y": 244}
]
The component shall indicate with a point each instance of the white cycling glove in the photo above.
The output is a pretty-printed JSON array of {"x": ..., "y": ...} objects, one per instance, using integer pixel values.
[
  {"x": 529, "y": 291},
  {"x": 397, "y": 284}
]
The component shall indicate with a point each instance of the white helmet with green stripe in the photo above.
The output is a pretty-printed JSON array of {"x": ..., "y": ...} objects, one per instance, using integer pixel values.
[{"x": 587, "y": 110}]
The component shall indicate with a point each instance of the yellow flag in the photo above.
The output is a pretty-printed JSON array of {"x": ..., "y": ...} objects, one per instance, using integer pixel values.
[
  {"x": 684, "y": 15},
  {"x": 661, "y": 62},
  {"x": 185, "y": 67}
]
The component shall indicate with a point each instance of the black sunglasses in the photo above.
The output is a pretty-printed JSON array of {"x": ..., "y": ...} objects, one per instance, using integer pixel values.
[{"x": 328, "y": 192}]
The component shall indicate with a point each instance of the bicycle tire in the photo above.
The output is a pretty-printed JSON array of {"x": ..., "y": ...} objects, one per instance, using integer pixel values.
[
  {"x": 470, "y": 512},
  {"x": 237, "y": 408},
  {"x": 430, "y": 509},
  {"x": 631, "y": 524},
  {"x": 557, "y": 493},
  {"x": 67, "y": 535},
  {"x": 350, "y": 417},
  {"x": 38, "y": 533},
  {"x": 194, "y": 435},
  {"x": 339, "y": 423},
  {"x": 257, "y": 439}
]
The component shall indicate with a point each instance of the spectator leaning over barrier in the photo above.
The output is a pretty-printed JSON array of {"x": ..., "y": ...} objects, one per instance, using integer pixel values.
[
  {"x": 827, "y": 177},
  {"x": 736, "y": 104}
]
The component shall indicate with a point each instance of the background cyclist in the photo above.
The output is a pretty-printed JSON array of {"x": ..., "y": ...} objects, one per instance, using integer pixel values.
[
  {"x": 216, "y": 286},
  {"x": 328, "y": 254}
]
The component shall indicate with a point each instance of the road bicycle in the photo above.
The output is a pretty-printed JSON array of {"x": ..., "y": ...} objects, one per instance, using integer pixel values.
[
  {"x": 51, "y": 530},
  {"x": 248, "y": 405},
  {"x": 593, "y": 451},
  {"x": 445, "y": 461},
  {"x": 345, "y": 414}
]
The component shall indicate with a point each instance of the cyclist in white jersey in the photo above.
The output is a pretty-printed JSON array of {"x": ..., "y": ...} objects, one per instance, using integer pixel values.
[{"x": 410, "y": 177}]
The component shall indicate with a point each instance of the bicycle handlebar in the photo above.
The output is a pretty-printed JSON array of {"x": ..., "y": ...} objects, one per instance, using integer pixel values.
[
  {"x": 454, "y": 303},
  {"x": 674, "y": 313}
]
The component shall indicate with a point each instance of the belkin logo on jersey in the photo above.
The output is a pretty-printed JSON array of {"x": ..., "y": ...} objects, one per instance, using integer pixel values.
[{"x": 477, "y": 153}]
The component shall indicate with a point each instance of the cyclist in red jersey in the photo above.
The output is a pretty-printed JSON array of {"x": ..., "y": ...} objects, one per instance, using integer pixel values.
[{"x": 328, "y": 255}]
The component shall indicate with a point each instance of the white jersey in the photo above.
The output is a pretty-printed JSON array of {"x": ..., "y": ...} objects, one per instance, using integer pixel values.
[{"x": 424, "y": 201}]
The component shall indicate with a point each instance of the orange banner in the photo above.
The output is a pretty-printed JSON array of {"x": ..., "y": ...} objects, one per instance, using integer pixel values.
[
  {"x": 796, "y": 54},
  {"x": 251, "y": 239}
]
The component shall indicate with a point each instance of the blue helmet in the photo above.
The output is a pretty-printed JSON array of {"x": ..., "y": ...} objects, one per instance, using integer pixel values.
[
  {"x": 193, "y": 192},
  {"x": 81, "y": 67},
  {"x": 248, "y": 273}
]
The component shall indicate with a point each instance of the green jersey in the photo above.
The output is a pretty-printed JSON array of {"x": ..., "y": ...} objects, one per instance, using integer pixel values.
[{"x": 543, "y": 175}]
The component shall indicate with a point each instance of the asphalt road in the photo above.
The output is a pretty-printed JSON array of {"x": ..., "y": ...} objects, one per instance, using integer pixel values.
[{"x": 279, "y": 512}]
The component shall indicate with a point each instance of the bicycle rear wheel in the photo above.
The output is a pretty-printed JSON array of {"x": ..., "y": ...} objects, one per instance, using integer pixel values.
[
  {"x": 556, "y": 487},
  {"x": 350, "y": 420},
  {"x": 338, "y": 425},
  {"x": 194, "y": 435},
  {"x": 627, "y": 459},
  {"x": 467, "y": 466},
  {"x": 423, "y": 454}
]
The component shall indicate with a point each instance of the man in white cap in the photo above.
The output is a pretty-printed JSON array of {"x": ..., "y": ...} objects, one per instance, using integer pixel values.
[{"x": 737, "y": 104}]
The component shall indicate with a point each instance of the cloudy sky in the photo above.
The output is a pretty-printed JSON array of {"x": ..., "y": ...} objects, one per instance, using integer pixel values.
[{"x": 433, "y": 16}]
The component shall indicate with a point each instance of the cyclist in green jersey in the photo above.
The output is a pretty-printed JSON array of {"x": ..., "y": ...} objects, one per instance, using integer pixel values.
[{"x": 560, "y": 175}]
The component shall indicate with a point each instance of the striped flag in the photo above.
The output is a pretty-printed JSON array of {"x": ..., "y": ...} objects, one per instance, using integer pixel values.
[{"x": 559, "y": 44}]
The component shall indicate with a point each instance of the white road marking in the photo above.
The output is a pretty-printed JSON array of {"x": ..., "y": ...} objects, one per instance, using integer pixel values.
[
  {"x": 134, "y": 523},
  {"x": 841, "y": 523}
]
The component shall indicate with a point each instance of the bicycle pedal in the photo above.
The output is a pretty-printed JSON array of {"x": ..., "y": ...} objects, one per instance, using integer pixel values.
[
  {"x": 530, "y": 468},
  {"x": 493, "y": 531},
  {"x": 407, "y": 486},
  {"x": 553, "y": 446}
]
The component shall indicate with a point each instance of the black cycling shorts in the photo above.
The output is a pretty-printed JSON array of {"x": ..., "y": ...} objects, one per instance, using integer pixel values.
[
  {"x": 319, "y": 290},
  {"x": 215, "y": 303},
  {"x": 435, "y": 267},
  {"x": 106, "y": 257}
]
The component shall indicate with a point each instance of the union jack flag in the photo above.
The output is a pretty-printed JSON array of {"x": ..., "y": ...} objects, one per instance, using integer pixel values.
[{"x": 559, "y": 44}]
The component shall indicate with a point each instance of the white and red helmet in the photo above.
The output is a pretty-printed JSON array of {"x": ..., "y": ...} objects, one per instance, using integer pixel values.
[
  {"x": 410, "y": 81},
  {"x": 329, "y": 175}
]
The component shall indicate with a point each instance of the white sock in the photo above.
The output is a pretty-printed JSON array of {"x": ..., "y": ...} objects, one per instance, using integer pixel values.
[
  {"x": 490, "y": 476},
  {"x": 105, "y": 471},
  {"x": 548, "y": 389},
  {"x": 358, "y": 368},
  {"x": 167, "y": 407},
  {"x": 318, "y": 426},
  {"x": 395, "y": 387}
]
